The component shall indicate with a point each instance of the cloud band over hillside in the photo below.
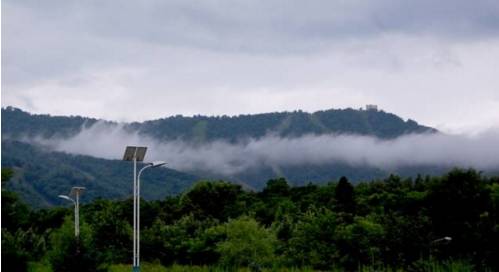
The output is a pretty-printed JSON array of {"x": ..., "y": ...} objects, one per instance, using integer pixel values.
[{"x": 222, "y": 157}]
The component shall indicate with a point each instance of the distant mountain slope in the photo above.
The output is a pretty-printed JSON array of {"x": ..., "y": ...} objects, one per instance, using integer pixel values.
[
  {"x": 16, "y": 122},
  {"x": 41, "y": 175},
  {"x": 297, "y": 123}
]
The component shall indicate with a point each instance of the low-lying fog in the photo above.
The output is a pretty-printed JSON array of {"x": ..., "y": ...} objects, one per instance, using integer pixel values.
[{"x": 108, "y": 141}]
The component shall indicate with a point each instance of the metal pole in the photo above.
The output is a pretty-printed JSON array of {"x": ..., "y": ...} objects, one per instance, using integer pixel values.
[
  {"x": 77, "y": 214},
  {"x": 76, "y": 219},
  {"x": 134, "y": 212},
  {"x": 138, "y": 220},
  {"x": 138, "y": 216}
]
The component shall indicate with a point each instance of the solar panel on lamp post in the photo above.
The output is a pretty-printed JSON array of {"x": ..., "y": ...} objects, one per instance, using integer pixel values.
[{"x": 135, "y": 154}]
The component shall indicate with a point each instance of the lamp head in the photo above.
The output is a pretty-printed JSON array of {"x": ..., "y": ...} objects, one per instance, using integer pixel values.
[
  {"x": 65, "y": 197},
  {"x": 76, "y": 189},
  {"x": 157, "y": 163}
]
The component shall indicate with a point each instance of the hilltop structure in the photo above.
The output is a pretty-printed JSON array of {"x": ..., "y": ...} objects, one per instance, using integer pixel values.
[{"x": 372, "y": 107}]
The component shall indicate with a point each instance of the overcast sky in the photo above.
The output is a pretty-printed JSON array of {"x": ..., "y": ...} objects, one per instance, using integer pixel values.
[{"x": 433, "y": 61}]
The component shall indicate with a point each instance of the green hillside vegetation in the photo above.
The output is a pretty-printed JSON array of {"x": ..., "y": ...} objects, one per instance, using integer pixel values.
[
  {"x": 42, "y": 175},
  {"x": 383, "y": 225},
  {"x": 17, "y": 123},
  {"x": 289, "y": 124}
]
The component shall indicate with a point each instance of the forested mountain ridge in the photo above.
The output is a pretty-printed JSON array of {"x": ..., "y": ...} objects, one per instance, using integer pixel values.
[
  {"x": 43, "y": 174},
  {"x": 297, "y": 123},
  {"x": 16, "y": 122}
]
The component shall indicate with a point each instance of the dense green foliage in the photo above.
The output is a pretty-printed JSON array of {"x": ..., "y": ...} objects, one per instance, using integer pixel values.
[{"x": 390, "y": 223}]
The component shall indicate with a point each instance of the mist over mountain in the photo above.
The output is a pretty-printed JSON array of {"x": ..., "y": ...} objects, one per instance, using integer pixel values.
[{"x": 248, "y": 149}]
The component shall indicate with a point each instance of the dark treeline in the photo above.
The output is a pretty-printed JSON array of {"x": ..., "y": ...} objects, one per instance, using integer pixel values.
[
  {"x": 391, "y": 223},
  {"x": 17, "y": 123}
]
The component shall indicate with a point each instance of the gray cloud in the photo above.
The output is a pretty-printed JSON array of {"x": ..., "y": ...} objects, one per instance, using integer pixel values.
[
  {"x": 433, "y": 61},
  {"x": 219, "y": 157},
  {"x": 258, "y": 26}
]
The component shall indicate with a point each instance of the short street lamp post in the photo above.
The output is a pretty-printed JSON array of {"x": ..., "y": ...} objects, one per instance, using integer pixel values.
[
  {"x": 135, "y": 154},
  {"x": 76, "y": 191},
  {"x": 442, "y": 240}
]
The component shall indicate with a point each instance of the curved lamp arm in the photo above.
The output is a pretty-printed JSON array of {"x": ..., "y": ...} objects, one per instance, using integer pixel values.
[
  {"x": 142, "y": 170},
  {"x": 67, "y": 198},
  {"x": 149, "y": 165},
  {"x": 446, "y": 239}
]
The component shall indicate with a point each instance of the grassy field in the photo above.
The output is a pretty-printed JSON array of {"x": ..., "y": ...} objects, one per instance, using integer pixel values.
[
  {"x": 147, "y": 267},
  {"x": 450, "y": 266}
]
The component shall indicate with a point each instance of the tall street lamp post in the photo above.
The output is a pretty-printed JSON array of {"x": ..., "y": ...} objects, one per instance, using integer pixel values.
[{"x": 135, "y": 154}]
